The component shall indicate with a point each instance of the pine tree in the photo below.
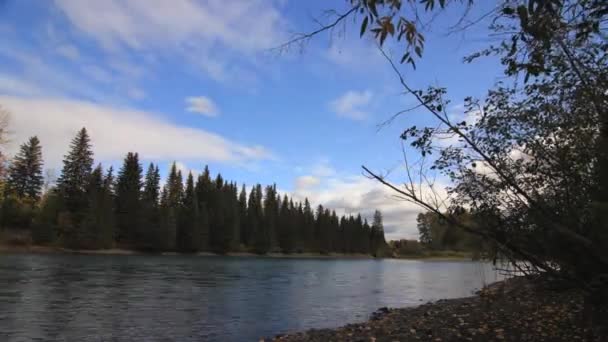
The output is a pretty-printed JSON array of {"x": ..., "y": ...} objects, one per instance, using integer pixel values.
[
  {"x": 308, "y": 227},
  {"x": 45, "y": 223},
  {"x": 188, "y": 219},
  {"x": 231, "y": 218},
  {"x": 151, "y": 192},
  {"x": 72, "y": 187},
  {"x": 25, "y": 178},
  {"x": 151, "y": 221},
  {"x": 96, "y": 229},
  {"x": 285, "y": 226},
  {"x": 74, "y": 179},
  {"x": 171, "y": 202},
  {"x": 128, "y": 200},
  {"x": 254, "y": 216},
  {"x": 203, "y": 189},
  {"x": 175, "y": 184},
  {"x": 168, "y": 220},
  {"x": 271, "y": 215},
  {"x": 243, "y": 224},
  {"x": 377, "y": 241}
]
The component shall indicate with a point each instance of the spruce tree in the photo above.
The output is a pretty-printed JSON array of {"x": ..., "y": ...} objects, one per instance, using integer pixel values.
[
  {"x": 231, "y": 232},
  {"x": 271, "y": 215},
  {"x": 377, "y": 241},
  {"x": 203, "y": 188},
  {"x": 168, "y": 221},
  {"x": 25, "y": 178},
  {"x": 96, "y": 229},
  {"x": 150, "y": 211},
  {"x": 171, "y": 202},
  {"x": 44, "y": 230},
  {"x": 151, "y": 192},
  {"x": 189, "y": 232},
  {"x": 285, "y": 226},
  {"x": 128, "y": 200},
  {"x": 74, "y": 180},
  {"x": 243, "y": 224},
  {"x": 254, "y": 216},
  {"x": 308, "y": 226}
]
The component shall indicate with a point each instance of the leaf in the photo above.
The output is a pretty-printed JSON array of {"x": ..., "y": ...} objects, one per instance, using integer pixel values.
[
  {"x": 372, "y": 8},
  {"x": 405, "y": 56},
  {"x": 383, "y": 36},
  {"x": 364, "y": 26}
]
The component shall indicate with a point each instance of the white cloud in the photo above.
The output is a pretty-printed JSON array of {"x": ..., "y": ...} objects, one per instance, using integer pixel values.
[
  {"x": 202, "y": 105},
  {"x": 68, "y": 51},
  {"x": 135, "y": 93},
  {"x": 206, "y": 34},
  {"x": 15, "y": 85},
  {"x": 352, "y": 104},
  {"x": 358, "y": 54},
  {"x": 96, "y": 73},
  {"x": 306, "y": 182},
  {"x": 115, "y": 131},
  {"x": 48, "y": 79},
  {"x": 353, "y": 194}
]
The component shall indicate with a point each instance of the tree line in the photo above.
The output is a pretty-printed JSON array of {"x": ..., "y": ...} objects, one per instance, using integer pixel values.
[
  {"x": 440, "y": 237},
  {"x": 93, "y": 208}
]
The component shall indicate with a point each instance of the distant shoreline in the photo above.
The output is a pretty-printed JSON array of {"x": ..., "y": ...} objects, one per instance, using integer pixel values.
[{"x": 16, "y": 249}]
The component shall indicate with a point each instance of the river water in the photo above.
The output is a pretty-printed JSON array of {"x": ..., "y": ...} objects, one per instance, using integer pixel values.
[{"x": 194, "y": 298}]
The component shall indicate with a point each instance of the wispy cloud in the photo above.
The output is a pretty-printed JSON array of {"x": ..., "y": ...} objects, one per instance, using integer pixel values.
[
  {"x": 68, "y": 51},
  {"x": 352, "y": 105},
  {"x": 353, "y": 194},
  {"x": 202, "y": 105},
  {"x": 116, "y": 131},
  {"x": 211, "y": 35}
]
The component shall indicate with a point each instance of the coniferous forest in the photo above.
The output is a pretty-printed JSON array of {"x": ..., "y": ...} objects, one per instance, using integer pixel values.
[{"x": 93, "y": 208}]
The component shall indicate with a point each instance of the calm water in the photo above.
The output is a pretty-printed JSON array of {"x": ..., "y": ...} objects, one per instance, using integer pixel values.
[{"x": 161, "y": 298}]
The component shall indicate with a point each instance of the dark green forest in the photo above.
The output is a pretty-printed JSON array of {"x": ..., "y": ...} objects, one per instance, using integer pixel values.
[{"x": 93, "y": 208}]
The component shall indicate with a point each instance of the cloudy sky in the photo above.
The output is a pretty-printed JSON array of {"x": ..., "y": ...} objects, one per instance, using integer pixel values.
[{"x": 197, "y": 82}]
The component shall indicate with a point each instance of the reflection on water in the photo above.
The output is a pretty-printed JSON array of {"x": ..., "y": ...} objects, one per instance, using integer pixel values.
[{"x": 160, "y": 298}]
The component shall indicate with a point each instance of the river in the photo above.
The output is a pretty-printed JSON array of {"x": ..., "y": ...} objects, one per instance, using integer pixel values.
[{"x": 206, "y": 298}]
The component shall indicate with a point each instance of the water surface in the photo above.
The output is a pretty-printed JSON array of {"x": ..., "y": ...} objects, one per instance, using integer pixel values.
[{"x": 190, "y": 298}]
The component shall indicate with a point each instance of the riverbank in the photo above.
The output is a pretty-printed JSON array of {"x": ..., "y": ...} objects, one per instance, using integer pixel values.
[
  {"x": 28, "y": 248},
  {"x": 518, "y": 309},
  {"x": 7, "y": 249}
]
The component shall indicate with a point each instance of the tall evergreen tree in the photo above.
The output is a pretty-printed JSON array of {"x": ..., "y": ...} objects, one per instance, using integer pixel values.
[
  {"x": 203, "y": 189},
  {"x": 77, "y": 168},
  {"x": 377, "y": 241},
  {"x": 128, "y": 200},
  {"x": 271, "y": 216},
  {"x": 25, "y": 178},
  {"x": 45, "y": 222},
  {"x": 171, "y": 202},
  {"x": 96, "y": 229},
  {"x": 189, "y": 230},
  {"x": 151, "y": 190},
  {"x": 254, "y": 216},
  {"x": 153, "y": 239},
  {"x": 168, "y": 220},
  {"x": 243, "y": 226},
  {"x": 285, "y": 226}
]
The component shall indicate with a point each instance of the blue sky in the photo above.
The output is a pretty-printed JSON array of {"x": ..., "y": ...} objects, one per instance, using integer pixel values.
[{"x": 197, "y": 82}]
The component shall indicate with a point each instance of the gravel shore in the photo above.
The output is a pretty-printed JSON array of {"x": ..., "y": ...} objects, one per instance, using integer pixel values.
[{"x": 518, "y": 309}]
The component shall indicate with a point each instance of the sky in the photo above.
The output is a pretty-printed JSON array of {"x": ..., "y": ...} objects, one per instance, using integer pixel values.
[{"x": 201, "y": 83}]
